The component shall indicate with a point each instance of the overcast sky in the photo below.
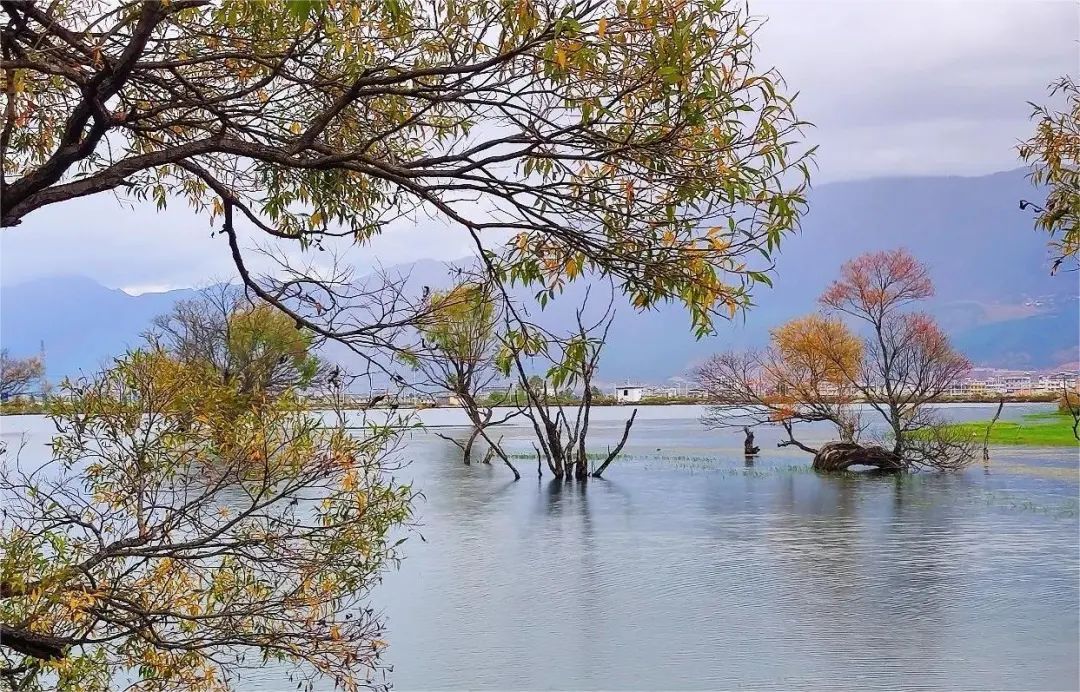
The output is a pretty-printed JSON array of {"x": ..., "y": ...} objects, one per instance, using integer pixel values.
[{"x": 893, "y": 87}]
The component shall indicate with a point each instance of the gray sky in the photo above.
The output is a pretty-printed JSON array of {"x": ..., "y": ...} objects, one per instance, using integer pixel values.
[{"x": 893, "y": 87}]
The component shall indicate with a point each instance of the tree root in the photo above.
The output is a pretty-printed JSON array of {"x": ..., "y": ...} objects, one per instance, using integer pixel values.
[{"x": 840, "y": 456}]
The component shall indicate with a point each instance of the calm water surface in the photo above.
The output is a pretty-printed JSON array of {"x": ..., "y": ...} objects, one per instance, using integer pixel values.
[{"x": 686, "y": 569}]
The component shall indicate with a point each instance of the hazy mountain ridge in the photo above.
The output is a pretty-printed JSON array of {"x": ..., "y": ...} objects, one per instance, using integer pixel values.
[
  {"x": 995, "y": 294},
  {"x": 81, "y": 323}
]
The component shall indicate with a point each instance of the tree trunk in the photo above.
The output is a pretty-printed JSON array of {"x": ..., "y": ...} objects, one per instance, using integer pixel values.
[
  {"x": 839, "y": 456},
  {"x": 986, "y": 437},
  {"x": 581, "y": 468},
  {"x": 517, "y": 476},
  {"x": 749, "y": 448},
  {"x": 466, "y": 451}
]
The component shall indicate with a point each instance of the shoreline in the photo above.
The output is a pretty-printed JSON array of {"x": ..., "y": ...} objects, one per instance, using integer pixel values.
[{"x": 38, "y": 409}]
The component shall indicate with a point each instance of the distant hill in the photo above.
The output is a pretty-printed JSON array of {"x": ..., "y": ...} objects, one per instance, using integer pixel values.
[
  {"x": 81, "y": 322},
  {"x": 995, "y": 294},
  {"x": 991, "y": 270}
]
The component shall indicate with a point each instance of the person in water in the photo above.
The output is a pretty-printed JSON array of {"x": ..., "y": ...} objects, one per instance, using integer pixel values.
[{"x": 748, "y": 444}]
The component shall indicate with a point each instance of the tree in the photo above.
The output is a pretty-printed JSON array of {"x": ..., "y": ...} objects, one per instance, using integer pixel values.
[
  {"x": 817, "y": 368},
  {"x": 638, "y": 140},
  {"x": 169, "y": 545},
  {"x": 801, "y": 376},
  {"x": 17, "y": 375},
  {"x": 458, "y": 356},
  {"x": 561, "y": 430},
  {"x": 1053, "y": 153},
  {"x": 249, "y": 345},
  {"x": 909, "y": 361}
]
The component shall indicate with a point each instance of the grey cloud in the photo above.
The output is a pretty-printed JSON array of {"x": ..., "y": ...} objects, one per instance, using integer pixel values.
[{"x": 918, "y": 87}]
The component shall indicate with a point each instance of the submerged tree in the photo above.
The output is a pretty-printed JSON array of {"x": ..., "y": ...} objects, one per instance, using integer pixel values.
[
  {"x": 800, "y": 377},
  {"x": 18, "y": 375},
  {"x": 457, "y": 355},
  {"x": 172, "y": 544},
  {"x": 904, "y": 363},
  {"x": 561, "y": 428},
  {"x": 1053, "y": 153},
  {"x": 908, "y": 360}
]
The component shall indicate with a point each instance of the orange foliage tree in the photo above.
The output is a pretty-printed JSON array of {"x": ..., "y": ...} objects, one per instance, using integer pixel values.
[
  {"x": 801, "y": 376},
  {"x": 909, "y": 361},
  {"x": 816, "y": 367}
]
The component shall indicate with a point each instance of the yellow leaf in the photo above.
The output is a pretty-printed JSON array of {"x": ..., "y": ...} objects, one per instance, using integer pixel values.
[
  {"x": 602, "y": 29},
  {"x": 316, "y": 218},
  {"x": 560, "y": 57},
  {"x": 295, "y": 128}
]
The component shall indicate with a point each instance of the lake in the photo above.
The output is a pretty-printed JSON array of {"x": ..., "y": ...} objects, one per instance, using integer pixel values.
[{"x": 686, "y": 569}]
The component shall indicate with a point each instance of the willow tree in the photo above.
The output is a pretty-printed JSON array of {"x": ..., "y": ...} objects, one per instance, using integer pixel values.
[
  {"x": 171, "y": 544},
  {"x": 1053, "y": 153},
  {"x": 457, "y": 355},
  {"x": 568, "y": 360},
  {"x": 633, "y": 138}
]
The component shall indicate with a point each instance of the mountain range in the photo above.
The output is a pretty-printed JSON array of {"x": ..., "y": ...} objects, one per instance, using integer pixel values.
[{"x": 994, "y": 292}]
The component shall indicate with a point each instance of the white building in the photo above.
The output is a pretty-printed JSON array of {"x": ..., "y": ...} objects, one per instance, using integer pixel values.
[
  {"x": 978, "y": 388},
  {"x": 1057, "y": 382},
  {"x": 1017, "y": 384},
  {"x": 629, "y": 394}
]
